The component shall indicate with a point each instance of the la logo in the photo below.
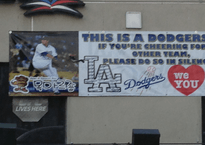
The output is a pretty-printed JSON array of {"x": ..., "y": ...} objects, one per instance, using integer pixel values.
[{"x": 103, "y": 76}]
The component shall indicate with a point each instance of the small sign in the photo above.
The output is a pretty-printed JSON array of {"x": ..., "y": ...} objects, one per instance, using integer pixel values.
[
  {"x": 133, "y": 20},
  {"x": 30, "y": 109}
]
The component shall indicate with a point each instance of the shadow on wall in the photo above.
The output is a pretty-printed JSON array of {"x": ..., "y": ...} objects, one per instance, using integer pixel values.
[
  {"x": 49, "y": 130},
  {"x": 43, "y": 135}
]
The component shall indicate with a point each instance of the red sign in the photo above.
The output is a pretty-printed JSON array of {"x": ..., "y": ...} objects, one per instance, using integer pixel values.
[{"x": 185, "y": 80}]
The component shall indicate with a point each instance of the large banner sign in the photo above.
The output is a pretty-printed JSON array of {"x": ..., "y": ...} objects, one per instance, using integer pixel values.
[
  {"x": 142, "y": 63},
  {"x": 107, "y": 63},
  {"x": 43, "y": 64}
]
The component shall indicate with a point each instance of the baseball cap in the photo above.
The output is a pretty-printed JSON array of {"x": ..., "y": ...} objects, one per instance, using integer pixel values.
[{"x": 45, "y": 37}]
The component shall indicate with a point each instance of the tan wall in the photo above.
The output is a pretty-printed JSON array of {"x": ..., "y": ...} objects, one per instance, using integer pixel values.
[{"x": 111, "y": 119}]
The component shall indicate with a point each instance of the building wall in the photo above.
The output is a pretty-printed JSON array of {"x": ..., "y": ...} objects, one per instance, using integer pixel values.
[{"x": 111, "y": 119}]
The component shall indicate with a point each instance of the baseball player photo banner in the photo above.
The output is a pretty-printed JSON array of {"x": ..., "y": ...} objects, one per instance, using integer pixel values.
[
  {"x": 43, "y": 63},
  {"x": 142, "y": 63}
]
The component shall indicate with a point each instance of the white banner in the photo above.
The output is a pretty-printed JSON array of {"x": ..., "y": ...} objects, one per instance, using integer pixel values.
[{"x": 137, "y": 63}]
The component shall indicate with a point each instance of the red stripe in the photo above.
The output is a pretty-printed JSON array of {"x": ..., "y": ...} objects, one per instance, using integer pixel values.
[
  {"x": 63, "y": 1},
  {"x": 42, "y": 8}
]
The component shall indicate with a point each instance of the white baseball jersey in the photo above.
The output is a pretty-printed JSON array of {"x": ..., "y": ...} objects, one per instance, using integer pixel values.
[{"x": 40, "y": 61}]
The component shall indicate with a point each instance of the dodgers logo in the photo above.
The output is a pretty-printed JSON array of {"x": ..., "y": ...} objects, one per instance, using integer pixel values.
[
  {"x": 97, "y": 80},
  {"x": 147, "y": 79},
  {"x": 145, "y": 83},
  {"x": 51, "y": 6}
]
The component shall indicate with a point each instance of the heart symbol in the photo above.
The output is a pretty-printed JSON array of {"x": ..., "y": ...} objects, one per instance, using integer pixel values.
[{"x": 186, "y": 80}]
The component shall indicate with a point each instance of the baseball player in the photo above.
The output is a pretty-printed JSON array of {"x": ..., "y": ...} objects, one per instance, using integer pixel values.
[{"x": 42, "y": 59}]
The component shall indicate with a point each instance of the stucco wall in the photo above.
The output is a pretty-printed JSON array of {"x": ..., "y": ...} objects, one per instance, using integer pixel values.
[{"x": 111, "y": 119}]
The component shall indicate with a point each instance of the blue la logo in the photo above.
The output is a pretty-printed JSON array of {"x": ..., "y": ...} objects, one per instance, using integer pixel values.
[{"x": 52, "y": 6}]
